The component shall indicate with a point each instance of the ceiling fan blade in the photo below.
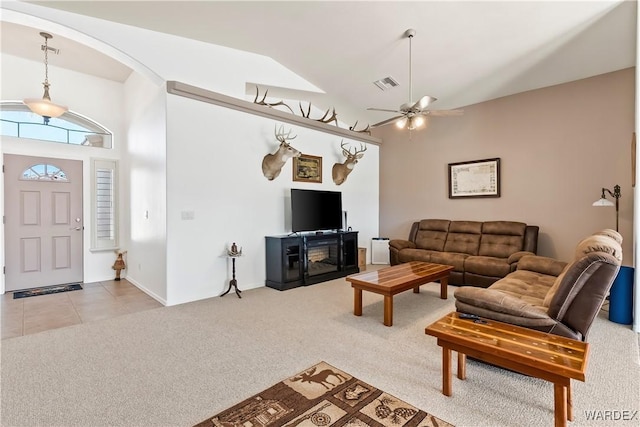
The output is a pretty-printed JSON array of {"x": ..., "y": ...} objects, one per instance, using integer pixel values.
[
  {"x": 383, "y": 109},
  {"x": 423, "y": 102},
  {"x": 443, "y": 113},
  {"x": 388, "y": 121}
]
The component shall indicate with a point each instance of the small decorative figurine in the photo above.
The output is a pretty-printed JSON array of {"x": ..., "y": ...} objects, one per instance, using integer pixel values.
[
  {"x": 119, "y": 265},
  {"x": 234, "y": 250}
]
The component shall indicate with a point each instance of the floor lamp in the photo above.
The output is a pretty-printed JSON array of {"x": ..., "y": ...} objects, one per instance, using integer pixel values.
[{"x": 602, "y": 201}]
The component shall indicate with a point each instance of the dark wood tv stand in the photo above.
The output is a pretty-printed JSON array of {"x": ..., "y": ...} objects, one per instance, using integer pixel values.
[{"x": 306, "y": 259}]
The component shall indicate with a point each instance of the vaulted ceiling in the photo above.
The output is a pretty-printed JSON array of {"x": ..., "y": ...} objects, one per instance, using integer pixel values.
[{"x": 463, "y": 52}]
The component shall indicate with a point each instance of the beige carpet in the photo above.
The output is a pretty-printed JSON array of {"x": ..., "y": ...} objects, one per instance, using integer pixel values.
[{"x": 176, "y": 366}]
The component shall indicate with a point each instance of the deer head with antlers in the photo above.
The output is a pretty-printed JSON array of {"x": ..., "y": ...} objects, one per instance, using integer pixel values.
[
  {"x": 341, "y": 171},
  {"x": 272, "y": 163}
]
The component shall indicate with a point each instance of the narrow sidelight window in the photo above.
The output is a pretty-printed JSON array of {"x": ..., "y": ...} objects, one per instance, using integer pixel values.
[{"x": 104, "y": 205}]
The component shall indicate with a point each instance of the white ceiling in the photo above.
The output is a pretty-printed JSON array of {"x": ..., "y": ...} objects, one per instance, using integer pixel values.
[
  {"x": 463, "y": 52},
  {"x": 26, "y": 42}
]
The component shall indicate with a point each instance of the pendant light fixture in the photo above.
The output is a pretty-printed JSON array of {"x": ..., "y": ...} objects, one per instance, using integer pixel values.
[{"x": 44, "y": 107}]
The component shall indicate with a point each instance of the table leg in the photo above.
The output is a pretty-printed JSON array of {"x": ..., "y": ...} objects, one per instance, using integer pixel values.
[
  {"x": 446, "y": 371},
  {"x": 444, "y": 282},
  {"x": 462, "y": 366},
  {"x": 416, "y": 290},
  {"x": 560, "y": 405},
  {"x": 569, "y": 402},
  {"x": 388, "y": 310},
  {"x": 234, "y": 283},
  {"x": 227, "y": 291},
  {"x": 357, "y": 302}
]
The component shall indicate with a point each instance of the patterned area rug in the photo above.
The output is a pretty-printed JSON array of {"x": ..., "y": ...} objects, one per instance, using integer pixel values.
[
  {"x": 323, "y": 396},
  {"x": 46, "y": 290}
]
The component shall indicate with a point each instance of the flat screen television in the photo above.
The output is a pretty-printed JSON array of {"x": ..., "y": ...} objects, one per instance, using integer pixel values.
[{"x": 314, "y": 210}]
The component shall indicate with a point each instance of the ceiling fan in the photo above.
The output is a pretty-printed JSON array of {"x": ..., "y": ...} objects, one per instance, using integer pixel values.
[{"x": 413, "y": 114}]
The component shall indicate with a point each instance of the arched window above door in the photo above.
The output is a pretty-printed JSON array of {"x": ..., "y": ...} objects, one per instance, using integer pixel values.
[
  {"x": 44, "y": 172},
  {"x": 71, "y": 128}
]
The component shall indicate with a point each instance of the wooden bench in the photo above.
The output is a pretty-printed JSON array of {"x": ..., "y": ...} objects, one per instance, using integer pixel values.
[{"x": 549, "y": 357}]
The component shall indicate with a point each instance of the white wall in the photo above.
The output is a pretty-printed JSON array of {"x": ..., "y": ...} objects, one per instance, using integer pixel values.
[
  {"x": 214, "y": 159},
  {"x": 636, "y": 210},
  {"x": 144, "y": 168},
  {"x": 21, "y": 78},
  {"x": 173, "y": 260}
]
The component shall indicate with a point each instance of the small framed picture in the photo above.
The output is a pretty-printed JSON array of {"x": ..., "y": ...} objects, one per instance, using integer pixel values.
[
  {"x": 478, "y": 178},
  {"x": 307, "y": 168}
]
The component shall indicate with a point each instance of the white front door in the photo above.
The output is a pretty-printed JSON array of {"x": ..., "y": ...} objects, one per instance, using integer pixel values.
[{"x": 43, "y": 221}]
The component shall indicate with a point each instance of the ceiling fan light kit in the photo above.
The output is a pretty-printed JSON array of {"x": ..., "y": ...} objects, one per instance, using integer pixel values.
[
  {"x": 415, "y": 122},
  {"x": 400, "y": 123},
  {"x": 413, "y": 114},
  {"x": 43, "y": 106}
]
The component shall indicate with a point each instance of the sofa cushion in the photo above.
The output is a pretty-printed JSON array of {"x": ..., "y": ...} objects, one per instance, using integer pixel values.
[
  {"x": 529, "y": 286},
  {"x": 602, "y": 265},
  {"x": 501, "y": 238},
  {"x": 432, "y": 234},
  {"x": 599, "y": 243},
  {"x": 449, "y": 258},
  {"x": 407, "y": 255},
  {"x": 487, "y": 266},
  {"x": 554, "y": 288},
  {"x": 497, "y": 305},
  {"x": 607, "y": 241},
  {"x": 464, "y": 237},
  {"x": 541, "y": 264},
  {"x": 611, "y": 233},
  {"x": 506, "y": 228}
]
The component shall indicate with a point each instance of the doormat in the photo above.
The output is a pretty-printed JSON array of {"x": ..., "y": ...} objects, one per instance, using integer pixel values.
[
  {"x": 46, "y": 290},
  {"x": 323, "y": 396}
]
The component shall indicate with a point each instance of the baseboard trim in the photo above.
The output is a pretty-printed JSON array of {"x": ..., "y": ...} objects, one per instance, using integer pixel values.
[{"x": 146, "y": 291}]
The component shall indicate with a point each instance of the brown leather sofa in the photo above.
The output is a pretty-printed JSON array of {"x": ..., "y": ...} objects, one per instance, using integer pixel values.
[
  {"x": 550, "y": 295},
  {"x": 480, "y": 252}
]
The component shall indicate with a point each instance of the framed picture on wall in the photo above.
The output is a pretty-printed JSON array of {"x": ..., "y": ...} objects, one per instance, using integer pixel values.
[
  {"x": 307, "y": 168},
  {"x": 478, "y": 178}
]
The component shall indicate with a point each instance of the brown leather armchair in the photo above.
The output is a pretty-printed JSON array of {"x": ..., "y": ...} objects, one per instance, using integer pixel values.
[{"x": 550, "y": 295}]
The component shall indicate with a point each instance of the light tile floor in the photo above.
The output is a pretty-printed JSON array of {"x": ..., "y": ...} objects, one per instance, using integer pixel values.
[{"x": 96, "y": 301}]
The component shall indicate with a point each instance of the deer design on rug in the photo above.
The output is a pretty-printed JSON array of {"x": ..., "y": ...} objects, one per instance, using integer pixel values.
[
  {"x": 341, "y": 171},
  {"x": 272, "y": 163},
  {"x": 321, "y": 377}
]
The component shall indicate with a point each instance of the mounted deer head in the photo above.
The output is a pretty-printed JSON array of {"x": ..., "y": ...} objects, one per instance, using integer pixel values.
[
  {"x": 272, "y": 163},
  {"x": 341, "y": 171}
]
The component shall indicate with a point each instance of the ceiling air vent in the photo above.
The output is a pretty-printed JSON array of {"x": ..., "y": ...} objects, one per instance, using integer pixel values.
[{"x": 386, "y": 83}]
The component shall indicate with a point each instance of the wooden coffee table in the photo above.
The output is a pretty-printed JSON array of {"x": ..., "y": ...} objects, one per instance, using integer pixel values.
[
  {"x": 538, "y": 354},
  {"x": 390, "y": 281}
]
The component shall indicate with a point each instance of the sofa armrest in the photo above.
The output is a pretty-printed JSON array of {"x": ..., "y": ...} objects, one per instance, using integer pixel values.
[
  {"x": 498, "y": 302},
  {"x": 541, "y": 264},
  {"x": 400, "y": 244},
  {"x": 515, "y": 257}
]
